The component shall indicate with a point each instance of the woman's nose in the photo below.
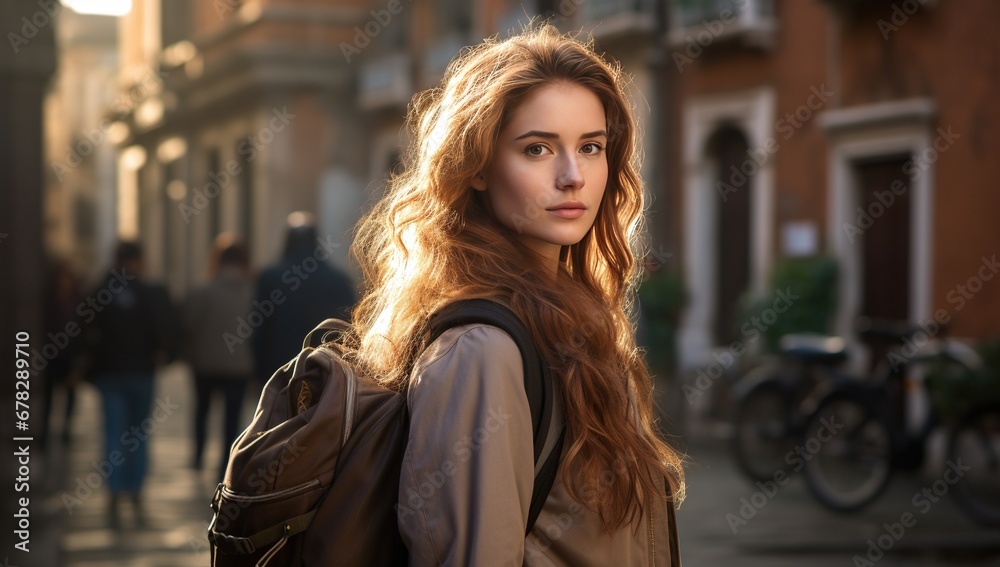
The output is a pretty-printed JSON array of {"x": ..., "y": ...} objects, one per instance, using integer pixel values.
[{"x": 570, "y": 176}]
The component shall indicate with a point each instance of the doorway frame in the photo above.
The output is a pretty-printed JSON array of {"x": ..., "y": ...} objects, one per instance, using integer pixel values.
[
  {"x": 881, "y": 130},
  {"x": 753, "y": 112}
]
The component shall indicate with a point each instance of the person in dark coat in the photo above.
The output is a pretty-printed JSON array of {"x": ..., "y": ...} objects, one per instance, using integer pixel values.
[
  {"x": 130, "y": 332},
  {"x": 296, "y": 294},
  {"x": 63, "y": 296}
]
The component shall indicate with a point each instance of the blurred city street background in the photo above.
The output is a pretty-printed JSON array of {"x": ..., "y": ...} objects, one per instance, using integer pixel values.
[{"x": 813, "y": 166}]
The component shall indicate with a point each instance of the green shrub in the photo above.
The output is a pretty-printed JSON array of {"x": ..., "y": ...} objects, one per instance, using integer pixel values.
[
  {"x": 812, "y": 282},
  {"x": 661, "y": 300},
  {"x": 955, "y": 391}
]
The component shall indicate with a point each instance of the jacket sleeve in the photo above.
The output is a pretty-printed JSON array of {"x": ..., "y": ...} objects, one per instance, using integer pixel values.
[{"x": 465, "y": 486}]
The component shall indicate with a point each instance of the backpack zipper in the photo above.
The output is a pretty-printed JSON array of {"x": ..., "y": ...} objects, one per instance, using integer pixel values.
[{"x": 235, "y": 496}]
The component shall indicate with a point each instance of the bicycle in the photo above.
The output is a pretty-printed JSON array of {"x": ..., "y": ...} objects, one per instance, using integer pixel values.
[
  {"x": 770, "y": 415},
  {"x": 855, "y": 466}
]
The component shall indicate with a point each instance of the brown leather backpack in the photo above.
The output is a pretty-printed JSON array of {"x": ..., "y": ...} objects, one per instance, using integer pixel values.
[{"x": 314, "y": 479}]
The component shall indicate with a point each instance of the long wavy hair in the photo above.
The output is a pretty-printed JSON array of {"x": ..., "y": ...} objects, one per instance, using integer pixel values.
[{"x": 432, "y": 240}]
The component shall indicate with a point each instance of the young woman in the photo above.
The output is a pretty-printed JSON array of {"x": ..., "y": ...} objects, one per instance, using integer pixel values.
[{"x": 521, "y": 185}]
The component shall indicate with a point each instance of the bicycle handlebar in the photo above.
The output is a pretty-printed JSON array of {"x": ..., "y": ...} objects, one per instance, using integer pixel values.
[{"x": 871, "y": 328}]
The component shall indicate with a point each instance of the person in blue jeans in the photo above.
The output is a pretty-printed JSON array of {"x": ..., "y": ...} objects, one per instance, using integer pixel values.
[{"x": 129, "y": 332}]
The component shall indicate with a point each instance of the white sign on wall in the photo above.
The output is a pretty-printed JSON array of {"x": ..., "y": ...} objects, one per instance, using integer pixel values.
[{"x": 799, "y": 238}]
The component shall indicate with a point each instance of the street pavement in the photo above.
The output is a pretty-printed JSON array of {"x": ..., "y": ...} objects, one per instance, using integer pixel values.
[
  {"x": 176, "y": 497},
  {"x": 728, "y": 520},
  {"x": 783, "y": 528}
]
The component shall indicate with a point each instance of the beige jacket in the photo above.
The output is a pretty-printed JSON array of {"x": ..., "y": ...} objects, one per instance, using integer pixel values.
[{"x": 467, "y": 474}]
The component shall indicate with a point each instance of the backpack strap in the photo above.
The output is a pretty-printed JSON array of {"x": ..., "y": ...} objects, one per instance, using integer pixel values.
[
  {"x": 547, "y": 418},
  {"x": 675, "y": 544},
  {"x": 548, "y": 462}
]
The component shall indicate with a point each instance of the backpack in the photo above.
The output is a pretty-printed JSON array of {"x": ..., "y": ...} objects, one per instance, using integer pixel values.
[{"x": 314, "y": 479}]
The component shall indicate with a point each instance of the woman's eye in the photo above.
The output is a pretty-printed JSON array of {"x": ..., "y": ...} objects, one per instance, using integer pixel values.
[
  {"x": 594, "y": 148},
  {"x": 535, "y": 150}
]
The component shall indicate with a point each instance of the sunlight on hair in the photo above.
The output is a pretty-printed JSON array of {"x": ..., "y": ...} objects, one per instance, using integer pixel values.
[{"x": 433, "y": 239}]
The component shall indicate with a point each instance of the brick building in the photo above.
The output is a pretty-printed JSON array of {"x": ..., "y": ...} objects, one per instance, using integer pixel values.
[
  {"x": 269, "y": 106},
  {"x": 773, "y": 128},
  {"x": 855, "y": 129}
]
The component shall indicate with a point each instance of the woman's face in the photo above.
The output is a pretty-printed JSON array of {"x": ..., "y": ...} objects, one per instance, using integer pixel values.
[{"x": 549, "y": 167}]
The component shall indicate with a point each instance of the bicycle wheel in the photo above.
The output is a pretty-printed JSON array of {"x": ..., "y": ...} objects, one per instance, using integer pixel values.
[
  {"x": 975, "y": 444},
  {"x": 763, "y": 436},
  {"x": 847, "y": 450}
]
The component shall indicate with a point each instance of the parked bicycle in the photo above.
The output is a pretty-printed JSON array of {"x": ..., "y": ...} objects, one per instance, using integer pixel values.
[
  {"x": 877, "y": 436},
  {"x": 773, "y": 402}
]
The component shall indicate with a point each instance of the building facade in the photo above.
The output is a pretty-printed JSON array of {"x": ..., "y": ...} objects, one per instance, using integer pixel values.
[
  {"x": 772, "y": 129},
  {"x": 80, "y": 146},
  {"x": 852, "y": 129},
  {"x": 261, "y": 108}
]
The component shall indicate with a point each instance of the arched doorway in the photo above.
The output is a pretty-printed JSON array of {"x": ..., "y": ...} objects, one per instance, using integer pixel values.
[
  {"x": 727, "y": 150},
  {"x": 723, "y": 260}
]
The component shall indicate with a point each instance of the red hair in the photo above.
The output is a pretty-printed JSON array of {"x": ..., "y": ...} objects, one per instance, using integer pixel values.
[{"x": 431, "y": 241}]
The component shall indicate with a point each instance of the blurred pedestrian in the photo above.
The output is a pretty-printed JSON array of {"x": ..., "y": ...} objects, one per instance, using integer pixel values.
[
  {"x": 219, "y": 366},
  {"x": 311, "y": 290},
  {"x": 130, "y": 333},
  {"x": 62, "y": 297}
]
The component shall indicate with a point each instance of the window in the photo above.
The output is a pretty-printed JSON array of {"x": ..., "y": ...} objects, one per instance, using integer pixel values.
[
  {"x": 751, "y": 21},
  {"x": 453, "y": 16},
  {"x": 214, "y": 206},
  {"x": 601, "y": 9},
  {"x": 245, "y": 184}
]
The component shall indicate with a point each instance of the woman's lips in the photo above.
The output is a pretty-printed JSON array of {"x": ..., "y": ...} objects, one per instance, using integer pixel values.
[{"x": 568, "y": 212}]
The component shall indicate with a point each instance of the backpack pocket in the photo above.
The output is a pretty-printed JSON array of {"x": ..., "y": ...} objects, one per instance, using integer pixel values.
[{"x": 244, "y": 532}]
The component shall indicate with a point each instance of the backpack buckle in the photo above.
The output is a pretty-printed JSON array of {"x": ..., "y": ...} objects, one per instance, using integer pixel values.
[
  {"x": 227, "y": 544},
  {"x": 234, "y": 545}
]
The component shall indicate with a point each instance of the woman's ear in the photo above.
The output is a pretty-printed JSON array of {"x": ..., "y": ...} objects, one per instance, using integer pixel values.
[{"x": 479, "y": 182}]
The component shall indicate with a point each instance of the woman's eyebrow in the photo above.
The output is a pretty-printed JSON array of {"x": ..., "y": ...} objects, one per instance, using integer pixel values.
[{"x": 554, "y": 136}]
